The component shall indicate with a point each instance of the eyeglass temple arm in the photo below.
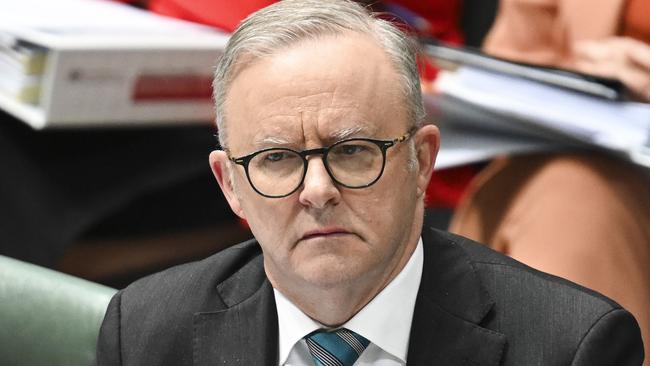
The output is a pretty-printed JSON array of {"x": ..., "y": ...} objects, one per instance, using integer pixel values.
[{"x": 405, "y": 136}]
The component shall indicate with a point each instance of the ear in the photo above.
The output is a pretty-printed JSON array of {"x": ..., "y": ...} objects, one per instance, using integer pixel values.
[
  {"x": 220, "y": 165},
  {"x": 427, "y": 143}
]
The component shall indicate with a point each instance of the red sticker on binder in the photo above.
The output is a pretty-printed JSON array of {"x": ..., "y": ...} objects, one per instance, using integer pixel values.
[{"x": 156, "y": 87}]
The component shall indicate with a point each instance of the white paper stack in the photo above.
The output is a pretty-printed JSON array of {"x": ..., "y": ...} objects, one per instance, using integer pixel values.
[
  {"x": 618, "y": 126},
  {"x": 21, "y": 67}
]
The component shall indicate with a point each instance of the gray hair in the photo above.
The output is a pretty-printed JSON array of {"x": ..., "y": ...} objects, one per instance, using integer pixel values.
[{"x": 288, "y": 22}]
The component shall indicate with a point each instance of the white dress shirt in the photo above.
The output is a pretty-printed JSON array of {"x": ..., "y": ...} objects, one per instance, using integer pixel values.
[{"x": 385, "y": 321}]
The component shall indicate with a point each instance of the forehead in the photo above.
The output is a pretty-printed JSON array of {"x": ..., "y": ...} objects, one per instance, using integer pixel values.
[{"x": 316, "y": 90}]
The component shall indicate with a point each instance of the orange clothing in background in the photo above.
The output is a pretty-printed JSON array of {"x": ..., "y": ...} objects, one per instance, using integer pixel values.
[{"x": 636, "y": 22}]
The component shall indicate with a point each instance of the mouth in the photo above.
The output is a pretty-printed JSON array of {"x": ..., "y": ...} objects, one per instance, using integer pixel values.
[{"x": 330, "y": 232}]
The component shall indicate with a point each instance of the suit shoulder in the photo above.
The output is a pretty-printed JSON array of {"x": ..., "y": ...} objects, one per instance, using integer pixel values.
[
  {"x": 192, "y": 287},
  {"x": 499, "y": 270},
  {"x": 206, "y": 272},
  {"x": 157, "y": 312},
  {"x": 545, "y": 317}
]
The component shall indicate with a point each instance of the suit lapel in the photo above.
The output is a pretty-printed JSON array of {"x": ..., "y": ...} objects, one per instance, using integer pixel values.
[
  {"x": 450, "y": 306},
  {"x": 244, "y": 333}
]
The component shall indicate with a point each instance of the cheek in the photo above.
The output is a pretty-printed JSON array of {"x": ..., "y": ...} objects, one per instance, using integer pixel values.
[
  {"x": 267, "y": 218},
  {"x": 394, "y": 202},
  {"x": 379, "y": 209}
]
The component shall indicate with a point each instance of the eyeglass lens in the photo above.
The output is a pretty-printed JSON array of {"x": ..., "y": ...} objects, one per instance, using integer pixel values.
[{"x": 352, "y": 163}]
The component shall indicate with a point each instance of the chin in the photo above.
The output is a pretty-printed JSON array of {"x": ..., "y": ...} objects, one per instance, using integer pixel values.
[{"x": 330, "y": 271}]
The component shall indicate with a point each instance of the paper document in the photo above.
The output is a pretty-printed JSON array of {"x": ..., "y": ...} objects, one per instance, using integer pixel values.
[
  {"x": 614, "y": 125},
  {"x": 463, "y": 146}
]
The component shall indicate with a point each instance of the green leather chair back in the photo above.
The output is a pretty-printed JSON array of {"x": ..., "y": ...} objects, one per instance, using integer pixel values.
[{"x": 47, "y": 317}]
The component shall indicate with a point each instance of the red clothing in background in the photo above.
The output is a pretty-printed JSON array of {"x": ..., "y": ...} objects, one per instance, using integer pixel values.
[
  {"x": 442, "y": 15},
  {"x": 224, "y": 14}
]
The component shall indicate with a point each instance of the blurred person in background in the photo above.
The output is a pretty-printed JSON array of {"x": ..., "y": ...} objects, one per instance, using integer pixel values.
[{"x": 582, "y": 216}]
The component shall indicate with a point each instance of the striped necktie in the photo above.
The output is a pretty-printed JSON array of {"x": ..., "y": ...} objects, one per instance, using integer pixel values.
[{"x": 341, "y": 347}]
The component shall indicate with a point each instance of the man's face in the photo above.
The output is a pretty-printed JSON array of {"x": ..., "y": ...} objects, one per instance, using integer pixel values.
[{"x": 309, "y": 96}]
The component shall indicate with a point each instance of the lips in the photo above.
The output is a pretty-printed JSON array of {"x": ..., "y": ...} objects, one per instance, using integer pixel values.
[{"x": 324, "y": 233}]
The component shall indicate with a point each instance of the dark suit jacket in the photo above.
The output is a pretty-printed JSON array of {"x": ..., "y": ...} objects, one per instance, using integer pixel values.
[{"x": 474, "y": 307}]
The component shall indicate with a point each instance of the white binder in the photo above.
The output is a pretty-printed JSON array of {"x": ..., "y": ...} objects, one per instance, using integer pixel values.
[{"x": 105, "y": 64}]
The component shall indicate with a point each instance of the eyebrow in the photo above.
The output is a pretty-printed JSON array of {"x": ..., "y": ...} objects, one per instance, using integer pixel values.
[
  {"x": 270, "y": 140},
  {"x": 344, "y": 133},
  {"x": 338, "y": 135}
]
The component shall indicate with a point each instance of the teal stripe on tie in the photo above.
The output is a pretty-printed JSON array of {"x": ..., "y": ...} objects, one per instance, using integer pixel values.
[{"x": 341, "y": 347}]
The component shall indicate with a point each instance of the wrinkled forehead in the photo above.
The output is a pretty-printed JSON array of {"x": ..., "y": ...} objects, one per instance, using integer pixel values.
[{"x": 322, "y": 89}]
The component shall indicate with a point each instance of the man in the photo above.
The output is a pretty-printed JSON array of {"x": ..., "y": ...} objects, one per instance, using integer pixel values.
[{"x": 326, "y": 156}]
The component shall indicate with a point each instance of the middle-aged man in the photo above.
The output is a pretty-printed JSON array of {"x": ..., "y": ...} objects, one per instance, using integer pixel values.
[{"x": 326, "y": 156}]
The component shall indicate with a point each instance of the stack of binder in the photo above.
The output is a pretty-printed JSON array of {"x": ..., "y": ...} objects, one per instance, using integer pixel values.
[{"x": 92, "y": 63}]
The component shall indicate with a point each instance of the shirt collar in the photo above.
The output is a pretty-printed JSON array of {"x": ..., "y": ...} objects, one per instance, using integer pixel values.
[
  {"x": 393, "y": 306},
  {"x": 293, "y": 325}
]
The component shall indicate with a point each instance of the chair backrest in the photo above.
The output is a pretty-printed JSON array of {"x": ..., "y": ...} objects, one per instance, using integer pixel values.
[{"x": 47, "y": 317}]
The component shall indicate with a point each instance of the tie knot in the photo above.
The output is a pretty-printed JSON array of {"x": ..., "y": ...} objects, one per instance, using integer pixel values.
[{"x": 341, "y": 347}]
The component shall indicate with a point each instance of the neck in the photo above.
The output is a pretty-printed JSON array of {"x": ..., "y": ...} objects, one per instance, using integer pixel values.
[{"x": 332, "y": 308}]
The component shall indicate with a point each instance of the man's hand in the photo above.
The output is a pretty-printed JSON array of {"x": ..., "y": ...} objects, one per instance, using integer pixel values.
[{"x": 622, "y": 58}]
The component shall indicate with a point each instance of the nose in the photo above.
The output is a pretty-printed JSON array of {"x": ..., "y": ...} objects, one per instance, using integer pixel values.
[{"x": 319, "y": 190}]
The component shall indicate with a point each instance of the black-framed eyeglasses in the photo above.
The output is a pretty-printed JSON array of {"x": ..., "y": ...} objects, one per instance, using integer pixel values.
[{"x": 353, "y": 163}]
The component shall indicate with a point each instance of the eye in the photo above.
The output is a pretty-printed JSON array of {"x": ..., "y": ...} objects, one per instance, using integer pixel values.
[
  {"x": 275, "y": 156},
  {"x": 350, "y": 149}
]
